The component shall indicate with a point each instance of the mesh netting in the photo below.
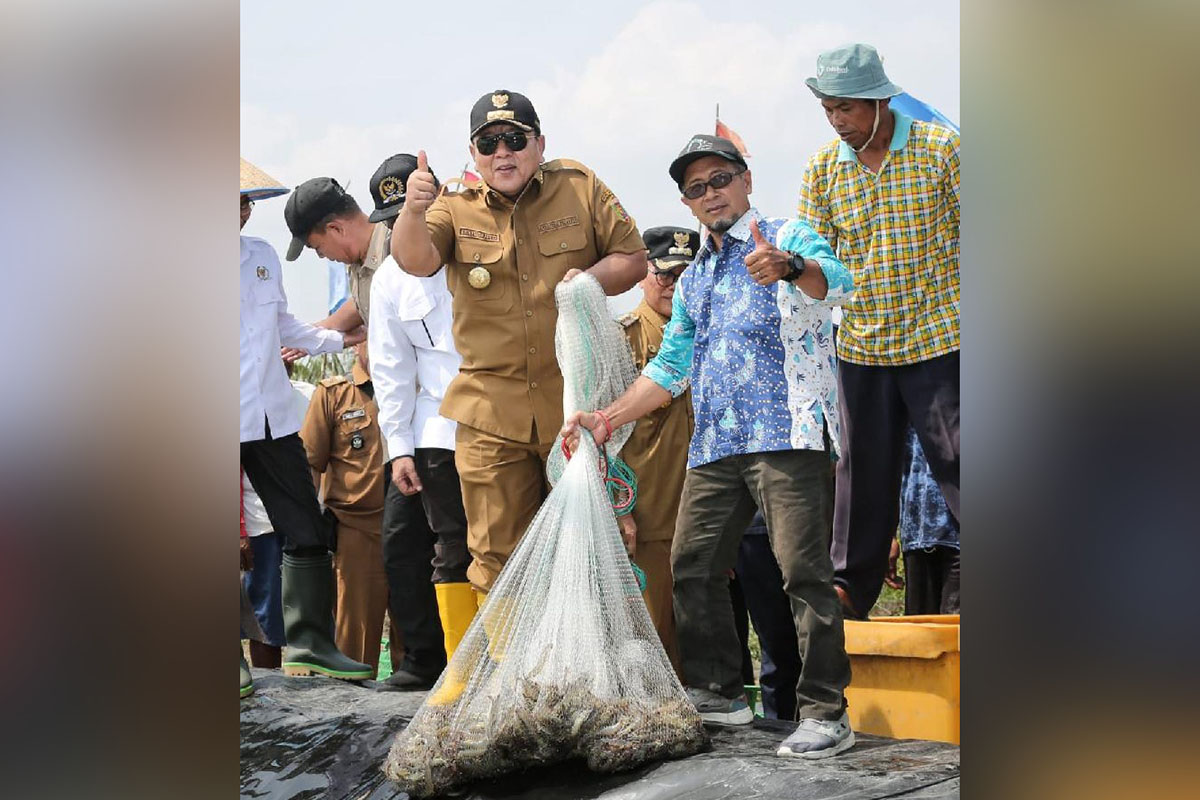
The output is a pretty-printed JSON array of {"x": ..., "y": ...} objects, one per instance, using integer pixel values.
[{"x": 562, "y": 660}]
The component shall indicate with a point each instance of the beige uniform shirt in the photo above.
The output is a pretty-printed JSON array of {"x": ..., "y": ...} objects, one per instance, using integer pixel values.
[
  {"x": 658, "y": 448},
  {"x": 509, "y": 382},
  {"x": 360, "y": 275},
  {"x": 342, "y": 439}
]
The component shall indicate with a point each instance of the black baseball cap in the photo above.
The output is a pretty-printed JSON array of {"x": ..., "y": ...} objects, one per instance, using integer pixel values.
[
  {"x": 504, "y": 106},
  {"x": 669, "y": 246},
  {"x": 699, "y": 146},
  {"x": 311, "y": 202},
  {"x": 389, "y": 184}
]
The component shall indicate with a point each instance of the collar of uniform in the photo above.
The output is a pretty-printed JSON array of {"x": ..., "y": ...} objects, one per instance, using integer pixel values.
[
  {"x": 538, "y": 178},
  {"x": 359, "y": 375},
  {"x": 739, "y": 231},
  {"x": 377, "y": 248},
  {"x": 644, "y": 311},
  {"x": 899, "y": 137}
]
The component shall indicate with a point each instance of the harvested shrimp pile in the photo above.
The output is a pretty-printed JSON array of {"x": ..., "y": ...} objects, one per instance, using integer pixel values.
[{"x": 562, "y": 661}]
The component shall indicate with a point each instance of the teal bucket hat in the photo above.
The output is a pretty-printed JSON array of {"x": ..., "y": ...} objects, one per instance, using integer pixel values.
[{"x": 853, "y": 70}]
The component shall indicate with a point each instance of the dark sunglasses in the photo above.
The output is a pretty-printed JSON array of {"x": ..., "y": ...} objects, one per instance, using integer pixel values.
[
  {"x": 666, "y": 277},
  {"x": 515, "y": 140},
  {"x": 718, "y": 181}
]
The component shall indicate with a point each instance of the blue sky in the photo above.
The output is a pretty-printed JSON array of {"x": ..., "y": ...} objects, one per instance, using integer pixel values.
[{"x": 333, "y": 89}]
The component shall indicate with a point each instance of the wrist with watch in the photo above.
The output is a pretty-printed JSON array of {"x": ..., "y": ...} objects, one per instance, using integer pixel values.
[{"x": 795, "y": 267}]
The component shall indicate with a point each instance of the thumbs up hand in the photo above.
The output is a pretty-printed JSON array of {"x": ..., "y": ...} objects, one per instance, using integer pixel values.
[
  {"x": 766, "y": 263},
  {"x": 420, "y": 191}
]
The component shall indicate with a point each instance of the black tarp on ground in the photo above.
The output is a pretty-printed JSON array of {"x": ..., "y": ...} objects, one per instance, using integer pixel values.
[{"x": 317, "y": 737}]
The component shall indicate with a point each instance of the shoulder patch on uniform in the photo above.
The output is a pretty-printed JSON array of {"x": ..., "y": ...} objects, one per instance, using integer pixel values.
[
  {"x": 333, "y": 380},
  {"x": 627, "y": 319},
  {"x": 565, "y": 163}
]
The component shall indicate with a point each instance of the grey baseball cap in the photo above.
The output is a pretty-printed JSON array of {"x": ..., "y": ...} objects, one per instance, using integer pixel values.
[{"x": 853, "y": 70}]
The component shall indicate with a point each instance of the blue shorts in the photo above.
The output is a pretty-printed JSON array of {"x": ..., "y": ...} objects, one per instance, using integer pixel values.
[{"x": 264, "y": 585}]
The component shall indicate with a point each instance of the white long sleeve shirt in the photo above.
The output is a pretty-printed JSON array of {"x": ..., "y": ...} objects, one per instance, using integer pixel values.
[
  {"x": 413, "y": 359},
  {"x": 266, "y": 325}
]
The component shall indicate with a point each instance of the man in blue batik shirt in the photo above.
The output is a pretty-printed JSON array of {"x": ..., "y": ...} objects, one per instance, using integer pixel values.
[{"x": 751, "y": 329}]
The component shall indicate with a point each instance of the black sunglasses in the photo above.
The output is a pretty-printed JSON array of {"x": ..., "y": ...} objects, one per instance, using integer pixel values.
[
  {"x": 666, "y": 277},
  {"x": 515, "y": 140},
  {"x": 718, "y": 181}
]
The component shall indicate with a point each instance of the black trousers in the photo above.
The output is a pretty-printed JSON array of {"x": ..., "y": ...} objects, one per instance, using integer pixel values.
[
  {"x": 278, "y": 470},
  {"x": 424, "y": 541},
  {"x": 877, "y": 405},
  {"x": 771, "y": 614},
  {"x": 931, "y": 581}
]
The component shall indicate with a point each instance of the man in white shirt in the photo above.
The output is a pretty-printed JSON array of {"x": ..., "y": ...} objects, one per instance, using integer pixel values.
[
  {"x": 274, "y": 459},
  {"x": 413, "y": 356}
]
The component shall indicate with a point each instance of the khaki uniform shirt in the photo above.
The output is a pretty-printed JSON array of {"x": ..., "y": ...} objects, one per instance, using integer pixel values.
[
  {"x": 658, "y": 449},
  {"x": 341, "y": 437},
  {"x": 360, "y": 275},
  {"x": 509, "y": 383}
]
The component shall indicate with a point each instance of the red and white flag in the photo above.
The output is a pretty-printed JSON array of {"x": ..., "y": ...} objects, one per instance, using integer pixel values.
[{"x": 726, "y": 132}]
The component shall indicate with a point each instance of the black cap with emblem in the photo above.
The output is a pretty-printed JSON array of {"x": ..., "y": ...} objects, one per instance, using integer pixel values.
[
  {"x": 310, "y": 203},
  {"x": 389, "y": 183},
  {"x": 670, "y": 246},
  {"x": 504, "y": 106},
  {"x": 699, "y": 146}
]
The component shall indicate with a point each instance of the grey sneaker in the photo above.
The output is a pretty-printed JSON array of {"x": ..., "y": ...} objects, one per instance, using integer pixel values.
[
  {"x": 717, "y": 708},
  {"x": 818, "y": 738}
]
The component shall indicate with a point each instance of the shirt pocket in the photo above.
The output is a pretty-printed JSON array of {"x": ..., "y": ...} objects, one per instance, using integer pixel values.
[
  {"x": 564, "y": 250},
  {"x": 265, "y": 292},
  {"x": 495, "y": 298},
  {"x": 352, "y": 421}
]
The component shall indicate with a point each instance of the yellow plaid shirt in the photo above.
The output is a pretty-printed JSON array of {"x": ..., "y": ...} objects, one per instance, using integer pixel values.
[{"x": 897, "y": 231}]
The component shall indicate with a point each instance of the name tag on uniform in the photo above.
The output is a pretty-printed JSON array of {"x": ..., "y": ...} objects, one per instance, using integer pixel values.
[{"x": 355, "y": 414}]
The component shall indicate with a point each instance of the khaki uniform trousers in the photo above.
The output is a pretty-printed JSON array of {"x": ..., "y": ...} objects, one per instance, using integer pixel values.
[
  {"x": 503, "y": 486},
  {"x": 362, "y": 597},
  {"x": 655, "y": 560}
]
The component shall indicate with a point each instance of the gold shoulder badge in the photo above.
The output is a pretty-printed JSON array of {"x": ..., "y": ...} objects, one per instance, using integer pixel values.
[
  {"x": 627, "y": 319},
  {"x": 681, "y": 245},
  {"x": 390, "y": 189},
  {"x": 499, "y": 100}
]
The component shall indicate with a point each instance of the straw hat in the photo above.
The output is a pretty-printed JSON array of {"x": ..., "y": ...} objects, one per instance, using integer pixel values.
[{"x": 258, "y": 185}]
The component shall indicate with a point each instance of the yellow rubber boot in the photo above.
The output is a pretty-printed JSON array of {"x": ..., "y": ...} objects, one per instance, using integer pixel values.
[{"x": 456, "y": 607}]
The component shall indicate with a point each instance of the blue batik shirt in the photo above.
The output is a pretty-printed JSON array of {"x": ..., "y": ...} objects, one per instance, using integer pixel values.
[
  {"x": 925, "y": 520},
  {"x": 760, "y": 359}
]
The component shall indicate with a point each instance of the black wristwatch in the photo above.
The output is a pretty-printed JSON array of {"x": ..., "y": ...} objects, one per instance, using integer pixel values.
[{"x": 795, "y": 267}]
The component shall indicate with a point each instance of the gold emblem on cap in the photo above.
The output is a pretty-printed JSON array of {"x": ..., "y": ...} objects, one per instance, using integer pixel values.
[
  {"x": 390, "y": 189},
  {"x": 499, "y": 100},
  {"x": 681, "y": 245},
  {"x": 479, "y": 278}
]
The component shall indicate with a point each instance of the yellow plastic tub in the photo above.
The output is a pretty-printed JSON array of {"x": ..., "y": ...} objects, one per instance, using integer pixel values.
[{"x": 905, "y": 677}]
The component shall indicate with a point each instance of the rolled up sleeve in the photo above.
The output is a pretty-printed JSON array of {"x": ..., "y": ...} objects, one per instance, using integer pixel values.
[{"x": 672, "y": 367}]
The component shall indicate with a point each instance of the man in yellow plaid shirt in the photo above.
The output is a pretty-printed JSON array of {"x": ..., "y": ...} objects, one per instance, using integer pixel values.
[{"x": 884, "y": 194}]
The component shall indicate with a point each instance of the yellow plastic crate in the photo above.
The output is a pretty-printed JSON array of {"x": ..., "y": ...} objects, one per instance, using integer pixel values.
[{"x": 905, "y": 677}]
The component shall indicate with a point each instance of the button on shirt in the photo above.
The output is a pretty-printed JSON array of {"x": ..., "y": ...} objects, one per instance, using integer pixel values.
[
  {"x": 566, "y": 219},
  {"x": 897, "y": 231},
  {"x": 266, "y": 325},
  {"x": 760, "y": 358},
  {"x": 412, "y": 357}
]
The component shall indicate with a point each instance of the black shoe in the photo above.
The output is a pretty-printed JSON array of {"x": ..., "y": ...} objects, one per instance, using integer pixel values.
[{"x": 403, "y": 679}]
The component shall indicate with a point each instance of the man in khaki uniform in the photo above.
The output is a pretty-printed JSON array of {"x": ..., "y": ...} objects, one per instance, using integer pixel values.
[
  {"x": 342, "y": 439},
  {"x": 657, "y": 449},
  {"x": 320, "y": 214},
  {"x": 507, "y": 240}
]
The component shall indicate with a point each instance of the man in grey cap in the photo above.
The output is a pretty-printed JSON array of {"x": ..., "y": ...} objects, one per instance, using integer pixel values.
[
  {"x": 750, "y": 329},
  {"x": 885, "y": 196}
]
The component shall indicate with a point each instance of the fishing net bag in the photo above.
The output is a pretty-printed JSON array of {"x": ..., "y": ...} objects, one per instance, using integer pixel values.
[{"x": 562, "y": 660}]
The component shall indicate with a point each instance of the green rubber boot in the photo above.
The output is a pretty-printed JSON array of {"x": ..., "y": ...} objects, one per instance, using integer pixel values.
[
  {"x": 247, "y": 687},
  {"x": 308, "y": 621}
]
